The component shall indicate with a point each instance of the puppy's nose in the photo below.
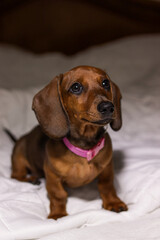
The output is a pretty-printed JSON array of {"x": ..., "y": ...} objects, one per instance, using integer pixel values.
[{"x": 105, "y": 108}]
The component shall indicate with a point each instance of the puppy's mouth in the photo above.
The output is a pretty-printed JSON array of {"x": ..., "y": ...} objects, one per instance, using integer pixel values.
[{"x": 99, "y": 122}]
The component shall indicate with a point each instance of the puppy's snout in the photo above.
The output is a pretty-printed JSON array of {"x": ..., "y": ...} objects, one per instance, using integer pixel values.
[{"x": 105, "y": 108}]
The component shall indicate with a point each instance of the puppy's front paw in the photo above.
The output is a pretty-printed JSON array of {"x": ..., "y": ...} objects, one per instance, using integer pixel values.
[
  {"x": 56, "y": 216},
  {"x": 115, "y": 206}
]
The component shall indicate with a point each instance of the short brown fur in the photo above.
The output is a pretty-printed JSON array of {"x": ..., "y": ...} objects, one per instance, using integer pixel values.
[{"x": 62, "y": 112}]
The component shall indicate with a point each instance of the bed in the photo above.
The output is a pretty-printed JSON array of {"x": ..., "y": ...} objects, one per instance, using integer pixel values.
[{"x": 134, "y": 64}]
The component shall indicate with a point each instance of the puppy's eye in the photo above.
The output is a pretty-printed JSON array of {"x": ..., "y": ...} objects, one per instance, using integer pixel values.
[
  {"x": 76, "y": 88},
  {"x": 106, "y": 84}
]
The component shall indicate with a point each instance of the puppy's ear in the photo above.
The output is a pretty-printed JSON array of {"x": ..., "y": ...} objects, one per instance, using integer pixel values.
[
  {"x": 49, "y": 109},
  {"x": 117, "y": 122}
]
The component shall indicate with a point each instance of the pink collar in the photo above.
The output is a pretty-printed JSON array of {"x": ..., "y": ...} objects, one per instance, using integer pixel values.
[{"x": 88, "y": 154}]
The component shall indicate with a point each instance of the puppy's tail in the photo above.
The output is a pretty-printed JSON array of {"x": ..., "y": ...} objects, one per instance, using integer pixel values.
[{"x": 10, "y": 135}]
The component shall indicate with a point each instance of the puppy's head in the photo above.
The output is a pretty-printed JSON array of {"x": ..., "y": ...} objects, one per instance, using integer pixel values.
[{"x": 82, "y": 95}]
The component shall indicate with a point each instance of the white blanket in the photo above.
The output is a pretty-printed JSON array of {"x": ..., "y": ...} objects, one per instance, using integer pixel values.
[{"x": 134, "y": 64}]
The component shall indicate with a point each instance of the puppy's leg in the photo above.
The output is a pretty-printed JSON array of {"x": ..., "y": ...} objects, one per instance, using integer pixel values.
[
  {"x": 20, "y": 165},
  {"x": 56, "y": 193},
  {"x": 107, "y": 191}
]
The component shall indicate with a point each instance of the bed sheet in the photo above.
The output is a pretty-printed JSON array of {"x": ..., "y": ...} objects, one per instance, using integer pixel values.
[{"x": 134, "y": 64}]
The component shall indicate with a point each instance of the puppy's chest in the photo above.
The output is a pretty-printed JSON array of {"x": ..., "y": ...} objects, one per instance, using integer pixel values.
[
  {"x": 79, "y": 174},
  {"x": 77, "y": 171}
]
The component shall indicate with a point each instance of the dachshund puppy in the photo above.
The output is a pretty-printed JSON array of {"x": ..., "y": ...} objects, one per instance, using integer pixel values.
[{"x": 71, "y": 144}]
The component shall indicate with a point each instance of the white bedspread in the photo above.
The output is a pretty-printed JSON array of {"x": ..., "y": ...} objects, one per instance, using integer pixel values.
[{"x": 134, "y": 64}]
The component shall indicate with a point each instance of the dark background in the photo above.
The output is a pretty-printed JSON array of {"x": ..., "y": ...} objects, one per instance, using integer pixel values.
[{"x": 69, "y": 26}]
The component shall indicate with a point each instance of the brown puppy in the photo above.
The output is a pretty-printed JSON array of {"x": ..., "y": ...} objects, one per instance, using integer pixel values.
[{"x": 77, "y": 104}]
